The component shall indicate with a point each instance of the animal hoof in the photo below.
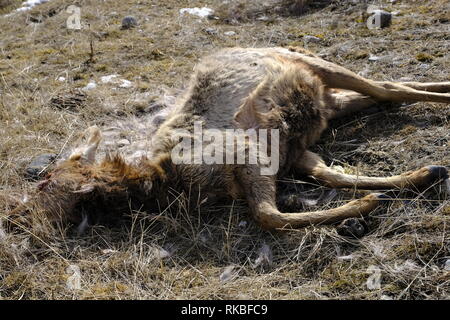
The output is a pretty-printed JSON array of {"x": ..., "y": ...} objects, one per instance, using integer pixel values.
[
  {"x": 438, "y": 172},
  {"x": 382, "y": 198},
  {"x": 352, "y": 228}
]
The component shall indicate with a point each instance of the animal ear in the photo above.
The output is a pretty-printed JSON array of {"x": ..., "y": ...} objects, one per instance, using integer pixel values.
[{"x": 87, "y": 151}]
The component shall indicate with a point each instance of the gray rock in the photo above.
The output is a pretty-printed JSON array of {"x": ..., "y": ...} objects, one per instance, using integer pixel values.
[
  {"x": 211, "y": 31},
  {"x": 229, "y": 33},
  {"x": 311, "y": 39},
  {"x": 129, "y": 22},
  {"x": 37, "y": 168},
  {"x": 424, "y": 66}
]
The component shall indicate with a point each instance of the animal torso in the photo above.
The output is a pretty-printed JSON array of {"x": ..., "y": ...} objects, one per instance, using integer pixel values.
[
  {"x": 289, "y": 92},
  {"x": 244, "y": 89}
]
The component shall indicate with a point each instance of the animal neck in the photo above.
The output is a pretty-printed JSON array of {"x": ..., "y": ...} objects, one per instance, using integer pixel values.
[{"x": 159, "y": 174}]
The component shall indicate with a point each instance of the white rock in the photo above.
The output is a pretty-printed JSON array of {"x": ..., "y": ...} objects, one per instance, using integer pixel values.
[
  {"x": 200, "y": 12},
  {"x": 108, "y": 79},
  {"x": 229, "y": 33},
  {"x": 27, "y": 5},
  {"x": 125, "y": 83},
  {"x": 374, "y": 58},
  {"x": 91, "y": 85},
  {"x": 114, "y": 78}
]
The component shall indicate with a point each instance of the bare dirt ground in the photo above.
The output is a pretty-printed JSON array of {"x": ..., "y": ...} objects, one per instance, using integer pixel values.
[{"x": 221, "y": 253}]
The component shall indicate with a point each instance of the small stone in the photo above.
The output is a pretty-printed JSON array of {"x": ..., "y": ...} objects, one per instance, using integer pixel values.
[
  {"x": 91, "y": 85},
  {"x": 352, "y": 228},
  {"x": 200, "y": 12},
  {"x": 125, "y": 83},
  {"x": 311, "y": 39},
  {"x": 129, "y": 22},
  {"x": 423, "y": 66},
  {"x": 108, "y": 79},
  {"x": 37, "y": 168},
  {"x": 230, "y": 33},
  {"x": 211, "y": 31}
]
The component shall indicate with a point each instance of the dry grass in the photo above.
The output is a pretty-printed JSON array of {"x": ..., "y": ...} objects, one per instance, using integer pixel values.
[{"x": 179, "y": 254}]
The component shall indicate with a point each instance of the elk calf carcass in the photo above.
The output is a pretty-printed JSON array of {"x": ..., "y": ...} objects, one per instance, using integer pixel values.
[{"x": 249, "y": 91}]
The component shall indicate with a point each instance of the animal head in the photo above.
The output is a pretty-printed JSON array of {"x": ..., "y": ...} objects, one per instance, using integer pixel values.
[{"x": 82, "y": 190}]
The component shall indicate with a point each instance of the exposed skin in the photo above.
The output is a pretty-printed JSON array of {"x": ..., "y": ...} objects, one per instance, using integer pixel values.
[{"x": 291, "y": 90}]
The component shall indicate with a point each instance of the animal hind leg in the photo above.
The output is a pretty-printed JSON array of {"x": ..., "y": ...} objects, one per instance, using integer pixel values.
[
  {"x": 343, "y": 102},
  {"x": 442, "y": 87},
  {"x": 335, "y": 76},
  {"x": 260, "y": 193},
  {"x": 312, "y": 164}
]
